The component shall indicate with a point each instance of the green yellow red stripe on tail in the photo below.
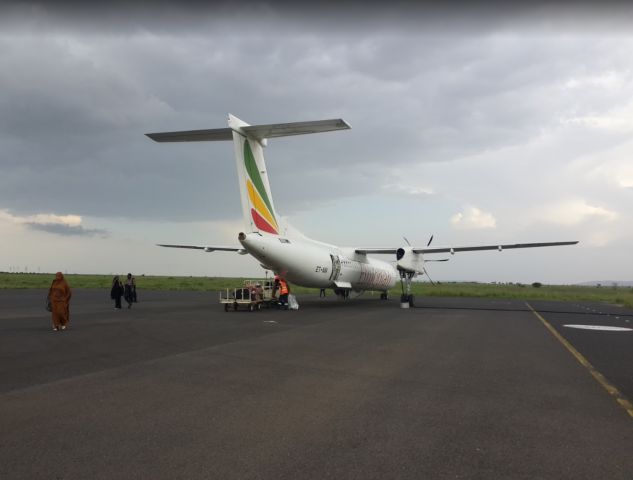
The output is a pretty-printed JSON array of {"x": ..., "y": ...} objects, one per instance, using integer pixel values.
[
  {"x": 258, "y": 209},
  {"x": 261, "y": 209}
]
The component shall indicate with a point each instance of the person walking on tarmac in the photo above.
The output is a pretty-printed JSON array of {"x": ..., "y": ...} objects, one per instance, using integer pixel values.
[
  {"x": 128, "y": 292},
  {"x": 134, "y": 297},
  {"x": 284, "y": 291},
  {"x": 116, "y": 292},
  {"x": 59, "y": 297}
]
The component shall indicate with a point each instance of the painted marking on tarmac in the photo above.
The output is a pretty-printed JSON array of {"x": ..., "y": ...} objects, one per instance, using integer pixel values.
[
  {"x": 270, "y": 321},
  {"x": 614, "y": 392},
  {"x": 604, "y": 328}
]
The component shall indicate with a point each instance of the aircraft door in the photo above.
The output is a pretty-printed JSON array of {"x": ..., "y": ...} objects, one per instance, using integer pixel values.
[{"x": 336, "y": 267}]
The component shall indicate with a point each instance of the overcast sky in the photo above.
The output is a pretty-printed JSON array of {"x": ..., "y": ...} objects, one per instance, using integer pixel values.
[{"x": 476, "y": 125}]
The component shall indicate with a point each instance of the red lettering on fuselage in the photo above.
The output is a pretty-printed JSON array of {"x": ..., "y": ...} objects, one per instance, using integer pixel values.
[{"x": 373, "y": 277}]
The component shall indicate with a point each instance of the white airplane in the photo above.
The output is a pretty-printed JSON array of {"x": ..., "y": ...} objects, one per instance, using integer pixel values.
[{"x": 280, "y": 248}]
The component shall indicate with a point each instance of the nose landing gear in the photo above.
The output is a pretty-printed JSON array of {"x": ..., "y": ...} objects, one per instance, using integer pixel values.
[{"x": 406, "y": 299}]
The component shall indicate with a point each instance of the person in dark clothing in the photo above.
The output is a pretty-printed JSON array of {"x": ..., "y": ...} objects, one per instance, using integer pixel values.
[
  {"x": 322, "y": 293},
  {"x": 129, "y": 290},
  {"x": 117, "y": 292},
  {"x": 134, "y": 297}
]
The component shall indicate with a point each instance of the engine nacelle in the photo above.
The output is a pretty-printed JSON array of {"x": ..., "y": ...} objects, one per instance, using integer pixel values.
[{"x": 409, "y": 261}]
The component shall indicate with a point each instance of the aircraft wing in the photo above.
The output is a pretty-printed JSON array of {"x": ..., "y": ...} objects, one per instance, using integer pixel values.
[
  {"x": 452, "y": 250},
  {"x": 386, "y": 251},
  {"x": 207, "y": 248}
]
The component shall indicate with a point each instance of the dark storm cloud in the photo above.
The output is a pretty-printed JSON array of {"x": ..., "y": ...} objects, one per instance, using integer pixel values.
[
  {"x": 66, "y": 230},
  {"x": 419, "y": 83},
  {"x": 327, "y": 16}
]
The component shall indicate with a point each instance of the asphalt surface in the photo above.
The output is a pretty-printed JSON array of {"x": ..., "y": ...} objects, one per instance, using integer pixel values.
[{"x": 177, "y": 388}]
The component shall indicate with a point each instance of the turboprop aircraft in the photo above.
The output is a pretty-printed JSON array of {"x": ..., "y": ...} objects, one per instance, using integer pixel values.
[{"x": 282, "y": 249}]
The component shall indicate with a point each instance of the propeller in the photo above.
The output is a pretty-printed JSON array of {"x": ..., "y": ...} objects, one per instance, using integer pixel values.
[
  {"x": 427, "y": 274},
  {"x": 400, "y": 253},
  {"x": 439, "y": 260},
  {"x": 409, "y": 243}
]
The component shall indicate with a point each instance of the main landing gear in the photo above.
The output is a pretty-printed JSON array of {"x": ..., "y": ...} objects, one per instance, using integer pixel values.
[
  {"x": 342, "y": 293},
  {"x": 406, "y": 299}
]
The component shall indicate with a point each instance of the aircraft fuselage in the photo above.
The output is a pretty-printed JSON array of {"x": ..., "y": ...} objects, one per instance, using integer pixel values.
[{"x": 314, "y": 264}]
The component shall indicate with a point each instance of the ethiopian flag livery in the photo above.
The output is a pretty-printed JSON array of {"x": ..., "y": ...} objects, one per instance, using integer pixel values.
[
  {"x": 260, "y": 203},
  {"x": 249, "y": 141},
  {"x": 258, "y": 208}
]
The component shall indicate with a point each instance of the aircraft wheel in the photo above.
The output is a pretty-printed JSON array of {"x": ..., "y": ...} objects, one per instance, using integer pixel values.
[
  {"x": 235, "y": 306},
  {"x": 411, "y": 301}
]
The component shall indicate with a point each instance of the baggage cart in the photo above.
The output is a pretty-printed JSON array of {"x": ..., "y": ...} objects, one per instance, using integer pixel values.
[{"x": 248, "y": 296}]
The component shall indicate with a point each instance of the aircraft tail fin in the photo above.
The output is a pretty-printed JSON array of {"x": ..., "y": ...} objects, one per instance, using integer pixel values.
[
  {"x": 257, "y": 202},
  {"x": 258, "y": 209}
]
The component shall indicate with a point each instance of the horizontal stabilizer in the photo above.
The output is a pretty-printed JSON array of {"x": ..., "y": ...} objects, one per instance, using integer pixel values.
[
  {"x": 212, "y": 135},
  {"x": 206, "y": 248},
  {"x": 258, "y": 132},
  {"x": 297, "y": 128}
]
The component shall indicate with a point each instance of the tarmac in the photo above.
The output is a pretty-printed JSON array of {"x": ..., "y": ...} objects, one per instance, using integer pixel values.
[{"x": 359, "y": 389}]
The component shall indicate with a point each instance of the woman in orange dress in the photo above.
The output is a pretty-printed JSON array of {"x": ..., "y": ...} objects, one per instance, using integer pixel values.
[{"x": 59, "y": 294}]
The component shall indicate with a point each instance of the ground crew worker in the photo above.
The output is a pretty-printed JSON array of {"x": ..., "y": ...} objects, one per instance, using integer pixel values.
[
  {"x": 259, "y": 292},
  {"x": 284, "y": 290},
  {"x": 275, "y": 289}
]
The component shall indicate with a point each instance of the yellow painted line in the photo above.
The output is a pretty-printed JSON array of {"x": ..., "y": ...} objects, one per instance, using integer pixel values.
[{"x": 614, "y": 392}]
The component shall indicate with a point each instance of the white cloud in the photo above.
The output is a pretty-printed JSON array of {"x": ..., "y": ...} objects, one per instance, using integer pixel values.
[
  {"x": 598, "y": 239},
  {"x": 573, "y": 212},
  {"x": 610, "y": 79},
  {"x": 473, "y": 218},
  {"x": 407, "y": 189},
  {"x": 41, "y": 218},
  {"x": 51, "y": 223},
  {"x": 617, "y": 119},
  {"x": 618, "y": 172},
  {"x": 68, "y": 220}
]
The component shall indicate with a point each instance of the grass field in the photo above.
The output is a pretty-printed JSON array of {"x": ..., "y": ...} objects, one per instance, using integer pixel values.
[
  {"x": 610, "y": 294},
  {"x": 30, "y": 280}
]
